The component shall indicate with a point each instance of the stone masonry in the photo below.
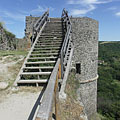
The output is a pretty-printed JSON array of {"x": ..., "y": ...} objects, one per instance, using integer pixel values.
[
  {"x": 30, "y": 21},
  {"x": 7, "y": 40},
  {"x": 85, "y": 40}
]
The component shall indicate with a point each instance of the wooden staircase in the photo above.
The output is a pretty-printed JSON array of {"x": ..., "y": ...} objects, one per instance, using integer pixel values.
[{"x": 43, "y": 55}]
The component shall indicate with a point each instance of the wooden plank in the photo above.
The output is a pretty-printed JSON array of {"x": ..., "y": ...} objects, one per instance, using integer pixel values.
[
  {"x": 37, "y": 45},
  {"x": 47, "y": 101},
  {"x": 46, "y": 67},
  {"x": 45, "y": 54},
  {"x": 33, "y": 81},
  {"x": 56, "y": 91},
  {"x": 41, "y": 58},
  {"x": 35, "y": 73},
  {"x": 42, "y": 62},
  {"x": 48, "y": 48},
  {"x": 50, "y": 51}
]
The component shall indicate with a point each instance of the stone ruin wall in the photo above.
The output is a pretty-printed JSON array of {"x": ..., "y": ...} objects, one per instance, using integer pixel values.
[
  {"x": 30, "y": 21},
  {"x": 85, "y": 55},
  {"x": 6, "y": 42}
]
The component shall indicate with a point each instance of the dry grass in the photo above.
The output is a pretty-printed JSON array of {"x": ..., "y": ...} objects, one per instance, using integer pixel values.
[{"x": 71, "y": 109}]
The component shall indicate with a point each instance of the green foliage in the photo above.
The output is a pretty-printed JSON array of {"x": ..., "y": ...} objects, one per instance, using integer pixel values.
[
  {"x": 9, "y": 34},
  {"x": 1, "y": 24},
  {"x": 109, "y": 80}
]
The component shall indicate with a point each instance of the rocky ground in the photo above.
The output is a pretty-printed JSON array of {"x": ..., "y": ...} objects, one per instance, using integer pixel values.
[{"x": 15, "y": 103}]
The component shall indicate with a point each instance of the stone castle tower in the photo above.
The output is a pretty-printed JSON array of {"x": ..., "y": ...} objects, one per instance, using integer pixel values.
[
  {"x": 85, "y": 57},
  {"x": 85, "y": 60}
]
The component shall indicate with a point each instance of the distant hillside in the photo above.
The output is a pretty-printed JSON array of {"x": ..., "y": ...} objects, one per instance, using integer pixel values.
[{"x": 109, "y": 80}]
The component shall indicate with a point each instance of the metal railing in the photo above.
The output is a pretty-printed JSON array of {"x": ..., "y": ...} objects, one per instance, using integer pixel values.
[
  {"x": 38, "y": 25},
  {"x": 51, "y": 93}
]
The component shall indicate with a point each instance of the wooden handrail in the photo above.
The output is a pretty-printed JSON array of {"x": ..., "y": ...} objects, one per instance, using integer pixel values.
[
  {"x": 45, "y": 109},
  {"x": 51, "y": 93},
  {"x": 65, "y": 18},
  {"x": 38, "y": 25}
]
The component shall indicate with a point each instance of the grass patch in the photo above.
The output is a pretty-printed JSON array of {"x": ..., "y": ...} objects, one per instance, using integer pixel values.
[
  {"x": 71, "y": 109},
  {"x": 6, "y": 53}
]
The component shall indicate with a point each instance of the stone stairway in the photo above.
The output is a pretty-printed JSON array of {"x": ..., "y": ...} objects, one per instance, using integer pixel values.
[{"x": 41, "y": 60}]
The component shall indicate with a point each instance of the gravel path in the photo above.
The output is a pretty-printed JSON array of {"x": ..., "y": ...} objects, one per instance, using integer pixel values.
[{"x": 17, "y": 106}]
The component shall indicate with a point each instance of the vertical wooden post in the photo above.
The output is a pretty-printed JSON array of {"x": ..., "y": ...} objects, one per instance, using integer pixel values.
[
  {"x": 59, "y": 72},
  {"x": 56, "y": 93}
]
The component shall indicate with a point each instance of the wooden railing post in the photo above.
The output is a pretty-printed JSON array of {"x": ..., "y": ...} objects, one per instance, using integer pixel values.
[{"x": 56, "y": 94}]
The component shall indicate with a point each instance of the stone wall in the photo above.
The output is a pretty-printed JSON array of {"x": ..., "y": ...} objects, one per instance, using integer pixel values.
[
  {"x": 7, "y": 40},
  {"x": 30, "y": 21},
  {"x": 85, "y": 55}
]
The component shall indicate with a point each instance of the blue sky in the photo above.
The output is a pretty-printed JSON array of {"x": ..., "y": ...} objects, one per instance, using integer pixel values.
[{"x": 107, "y": 12}]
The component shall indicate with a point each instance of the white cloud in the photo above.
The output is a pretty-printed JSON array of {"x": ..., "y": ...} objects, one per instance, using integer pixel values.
[
  {"x": 87, "y": 2},
  {"x": 14, "y": 16},
  {"x": 112, "y": 8},
  {"x": 20, "y": 15},
  {"x": 89, "y": 5},
  {"x": 38, "y": 9},
  {"x": 117, "y": 14},
  {"x": 77, "y": 12}
]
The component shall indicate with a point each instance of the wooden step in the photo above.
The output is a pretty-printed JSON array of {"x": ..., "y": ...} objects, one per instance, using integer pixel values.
[
  {"x": 51, "y": 34},
  {"x": 47, "y": 45},
  {"x": 46, "y": 54},
  {"x": 42, "y": 62},
  {"x": 45, "y": 67},
  {"x": 49, "y": 41},
  {"x": 48, "y": 48},
  {"x": 46, "y": 51},
  {"x": 33, "y": 81},
  {"x": 35, "y": 73},
  {"x": 40, "y": 58},
  {"x": 50, "y": 37}
]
